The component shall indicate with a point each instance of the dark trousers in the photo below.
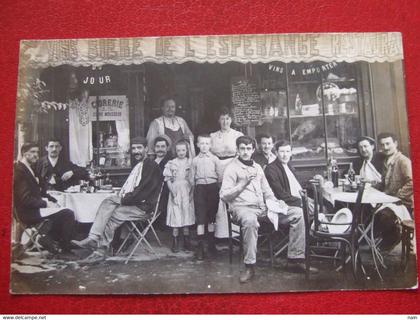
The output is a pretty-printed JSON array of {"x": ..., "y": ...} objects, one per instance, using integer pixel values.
[{"x": 61, "y": 227}]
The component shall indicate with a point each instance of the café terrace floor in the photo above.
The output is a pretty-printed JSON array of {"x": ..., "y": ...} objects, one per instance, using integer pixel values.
[{"x": 182, "y": 273}]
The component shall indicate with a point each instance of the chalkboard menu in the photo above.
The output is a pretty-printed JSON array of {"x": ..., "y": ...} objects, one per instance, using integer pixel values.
[{"x": 246, "y": 101}]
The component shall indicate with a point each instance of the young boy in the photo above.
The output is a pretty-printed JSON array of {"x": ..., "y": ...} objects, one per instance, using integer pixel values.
[{"x": 207, "y": 174}]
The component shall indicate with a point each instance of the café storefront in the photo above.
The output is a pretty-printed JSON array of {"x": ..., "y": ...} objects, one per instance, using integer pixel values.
[{"x": 321, "y": 92}]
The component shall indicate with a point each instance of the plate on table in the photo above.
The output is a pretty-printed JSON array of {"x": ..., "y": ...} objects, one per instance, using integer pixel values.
[{"x": 104, "y": 191}]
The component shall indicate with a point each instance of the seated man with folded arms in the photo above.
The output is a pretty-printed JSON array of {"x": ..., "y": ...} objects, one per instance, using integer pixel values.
[
  {"x": 56, "y": 172},
  {"x": 370, "y": 164},
  {"x": 265, "y": 156},
  {"x": 33, "y": 207},
  {"x": 135, "y": 201},
  {"x": 246, "y": 190}
]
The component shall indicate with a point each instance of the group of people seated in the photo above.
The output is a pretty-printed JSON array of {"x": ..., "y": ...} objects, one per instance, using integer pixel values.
[{"x": 227, "y": 171}]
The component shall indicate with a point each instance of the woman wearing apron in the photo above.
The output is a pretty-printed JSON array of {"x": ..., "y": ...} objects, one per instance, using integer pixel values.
[
  {"x": 223, "y": 145},
  {"x": 169, "y": 124}
]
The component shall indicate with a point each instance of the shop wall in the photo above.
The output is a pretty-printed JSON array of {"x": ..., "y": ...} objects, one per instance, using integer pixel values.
[{"x": 388, "y": 93}]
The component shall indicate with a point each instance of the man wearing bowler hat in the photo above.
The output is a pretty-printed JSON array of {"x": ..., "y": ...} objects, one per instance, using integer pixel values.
[{"x": 370, "y": 164}]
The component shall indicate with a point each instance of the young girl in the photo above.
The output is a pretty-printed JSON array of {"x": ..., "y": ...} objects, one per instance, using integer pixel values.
[{"x": 179, "y": 178}]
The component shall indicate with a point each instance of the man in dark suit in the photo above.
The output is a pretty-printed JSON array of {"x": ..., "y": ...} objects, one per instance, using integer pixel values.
[
  {"x": 281, "y": 176},
  {"x": 56, "y": 172},
  {"x": 370, "y": 165},
  {"x": 32, "y": 208},
  {"x": 162, "y": 146},
  {"x": 135, "y": 201},
  {"x": 265, "y": 156}
]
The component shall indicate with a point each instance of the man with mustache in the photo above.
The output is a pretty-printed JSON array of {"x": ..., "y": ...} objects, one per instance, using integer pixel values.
[
  {"x": 163, "y": 155},
  {"x": 34, "y": 207},
  {"x": 370, "y": 164},
  {"x": 398, "y": 175},
  {"x": 56, "y": 172},
  {"x": 135, "y": 201}
]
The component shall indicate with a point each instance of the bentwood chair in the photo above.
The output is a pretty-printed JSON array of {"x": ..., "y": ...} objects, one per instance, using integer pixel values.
[
  {"x": 317, "y": 237},
  {"x": 139, "y": 229}
]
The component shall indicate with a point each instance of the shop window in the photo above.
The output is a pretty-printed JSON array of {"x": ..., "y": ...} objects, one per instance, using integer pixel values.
[
  {"x": 313, "y": 105},
  {"x": 107, "y": 141}
]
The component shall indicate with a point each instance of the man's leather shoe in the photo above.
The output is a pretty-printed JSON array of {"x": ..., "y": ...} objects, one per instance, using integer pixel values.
[
  {"x": 299, "y": 267},
  {"x": 247, "y": 274},
  {"x": 95, "y": 257},
  {"x": 85, "y": 243},
  {"x": 49, "y": 244}
]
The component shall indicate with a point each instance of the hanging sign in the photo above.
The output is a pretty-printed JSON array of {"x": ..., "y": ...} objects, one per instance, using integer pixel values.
[
  {"x": 349, "y": 47},
  {"x": 111, "y": 108}
]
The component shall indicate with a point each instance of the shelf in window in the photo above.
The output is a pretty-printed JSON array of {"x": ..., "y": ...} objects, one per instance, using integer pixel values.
[
  {"x": 339, "y": 80},
  {"x": 319, "y": 81},
  {"x": 306, "y": 82},
  {"x": 320, "y": 115}
]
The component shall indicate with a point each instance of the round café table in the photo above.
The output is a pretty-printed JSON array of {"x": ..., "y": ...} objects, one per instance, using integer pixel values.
[{"x": 378, "y": 200}]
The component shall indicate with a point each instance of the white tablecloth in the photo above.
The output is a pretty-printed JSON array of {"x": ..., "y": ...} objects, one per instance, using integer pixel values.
[
  {"x": 84, "y": 205},
  {"x": 370, "y": 195}
]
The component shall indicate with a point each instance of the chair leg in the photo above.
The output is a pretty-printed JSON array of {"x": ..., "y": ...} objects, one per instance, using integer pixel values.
[
  {"x": 156, "y": 236},
  {"x": 230, "y": 248},
  {"x": 270, "y": 250},
  {"x": 307, "y": 264},
  {"x": 241, "y": 245}
]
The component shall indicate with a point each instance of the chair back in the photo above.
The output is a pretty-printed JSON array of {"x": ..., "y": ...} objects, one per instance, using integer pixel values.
[
  {"x": 318, "y": 199},
  {"x": 156, "y": 211},
  {"x": 357, "y": 210},
  {"x": 318, "y": 203},
  {"x": 306, "y": 216}
]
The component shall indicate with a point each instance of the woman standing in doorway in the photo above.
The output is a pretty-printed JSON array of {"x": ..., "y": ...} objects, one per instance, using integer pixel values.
[{"x": 223, "y": 145}]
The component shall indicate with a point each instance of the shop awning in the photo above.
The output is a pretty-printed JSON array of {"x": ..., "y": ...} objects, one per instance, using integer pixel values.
[{"x": 349, "y": 47}]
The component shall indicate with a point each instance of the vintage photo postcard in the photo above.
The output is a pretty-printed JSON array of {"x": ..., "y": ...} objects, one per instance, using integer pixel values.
[{"x": 212, "y": 164}]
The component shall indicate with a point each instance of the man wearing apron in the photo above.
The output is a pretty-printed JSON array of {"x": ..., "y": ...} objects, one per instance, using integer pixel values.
[{"x": 176, "y": 128}]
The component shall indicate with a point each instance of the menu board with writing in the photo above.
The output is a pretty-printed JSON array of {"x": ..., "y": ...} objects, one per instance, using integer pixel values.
[{"x": 246, "y": 101}]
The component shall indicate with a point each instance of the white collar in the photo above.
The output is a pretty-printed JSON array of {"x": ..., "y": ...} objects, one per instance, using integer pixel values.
[{"x": 53, "y": 161}]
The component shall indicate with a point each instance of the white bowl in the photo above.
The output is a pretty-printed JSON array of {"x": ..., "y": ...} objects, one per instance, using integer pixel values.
[{"x": 343, "y": 215}]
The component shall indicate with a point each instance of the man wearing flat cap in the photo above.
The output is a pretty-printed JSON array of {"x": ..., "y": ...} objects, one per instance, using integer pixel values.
[
  {"x": 370, "y": 165},
  {"x": 135, "y": 201}
]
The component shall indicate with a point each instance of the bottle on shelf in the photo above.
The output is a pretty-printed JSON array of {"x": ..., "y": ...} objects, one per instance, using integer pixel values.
[
  {"x": 108, "y": 180},
  {"x": 351, "y": 173},
  {"x": 334, "y": 172},
  {"x": 298, "y": 105},
  {"x": 329, "y": 171}
]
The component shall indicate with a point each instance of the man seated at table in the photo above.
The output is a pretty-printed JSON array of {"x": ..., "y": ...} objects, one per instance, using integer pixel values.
[
  {"x": 32, "y": 207},
  {"x": 161, "y": 148},
  {"x": 265, "y": 156},
  {"x": 56, "y": 172},
  {"x": 398, "y": 176},
  {"x": 397, "y": 180},
  {"x": 281, "y": 177},
  {"x": 370, "y": 164},
  {"x": 135, "y": 201},
  {"x": 246, "y": 190}
]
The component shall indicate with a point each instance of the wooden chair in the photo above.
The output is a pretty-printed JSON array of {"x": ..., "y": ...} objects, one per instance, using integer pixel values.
[
  {"x": 407, "y": 236},
  {"x": 317, "y": 237}
]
